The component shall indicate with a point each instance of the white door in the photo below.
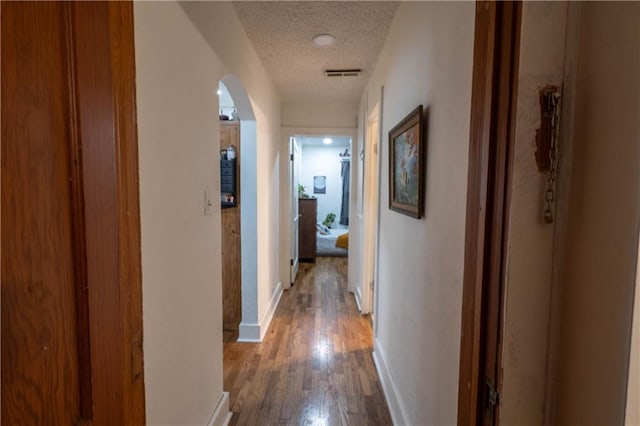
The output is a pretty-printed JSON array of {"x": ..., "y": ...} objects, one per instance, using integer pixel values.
[
  {"x": 370, "y": 211},
  {"x": 294, "y": 165}
]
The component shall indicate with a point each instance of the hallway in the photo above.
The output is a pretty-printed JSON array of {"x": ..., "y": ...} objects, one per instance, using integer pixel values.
[{"x": 314, "y": 366}]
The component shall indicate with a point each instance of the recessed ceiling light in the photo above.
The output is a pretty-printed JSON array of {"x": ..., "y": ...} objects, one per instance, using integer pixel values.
[
  {"x": 324, "y": 40},
  {"x": 219, "y": 92},
  {"x": 327, "y": 141}
]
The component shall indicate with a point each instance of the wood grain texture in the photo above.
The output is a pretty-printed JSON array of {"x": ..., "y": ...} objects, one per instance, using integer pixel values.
[
  {"x": 308, "y": 210},
  {"x": 129, "y": 244},
  {"x": 231, "y": 237},
  {"x": 71, "y": 288},
  {"x": 314, "y": 365},
  {"x": 497, "y": 30},
  {"x": 39, "y": 329}
]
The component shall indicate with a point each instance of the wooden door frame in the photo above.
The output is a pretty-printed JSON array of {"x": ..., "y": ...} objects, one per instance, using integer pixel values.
[
  {"x": 491, "y": 147},
  {"x": 99, "y": 146},
  {"x": 294, "y": 214},
  {"x": 104, "y": 86},
  {"x": 122, "y": 44}
]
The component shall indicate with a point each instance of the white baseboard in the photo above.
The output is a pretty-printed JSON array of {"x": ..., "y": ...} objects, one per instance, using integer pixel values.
[
  {"x": 358, "y": 297},
  {"x": 389, "y": 388},
  {"x": 221, "y": 415},
  {"x": 254, "y": 333},
  {"x": 249, "y": 333},
  {"x": 265, "y": 321}
]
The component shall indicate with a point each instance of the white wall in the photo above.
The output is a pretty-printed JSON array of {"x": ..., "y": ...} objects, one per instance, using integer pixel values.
[
  {"x": 604, "y": 217},
  {"x": 323, "y": 161},
  {"x": 177, "y": 74},
  {"x": 427, "y": 59},
  {"x": 319, "y": 114},
  {"x": 223, "y": 31},
  {"x": 176, "y": 99}
]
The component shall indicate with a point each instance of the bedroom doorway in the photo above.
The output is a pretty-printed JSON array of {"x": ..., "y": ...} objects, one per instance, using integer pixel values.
[
  {"x": 370, "y": 211},
  {"x": 320, "y": 194}
]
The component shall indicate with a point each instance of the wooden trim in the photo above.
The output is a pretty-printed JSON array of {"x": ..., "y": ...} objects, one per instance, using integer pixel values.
[
  {"x": 79, "y": 243},
  {"x": 105, "y": 103},
  {"x": 496, "y": 52},
  {"x": 130, "y": 279},
  {"x": 96, "y": 130},
  {"x": 510, "y": 49}
]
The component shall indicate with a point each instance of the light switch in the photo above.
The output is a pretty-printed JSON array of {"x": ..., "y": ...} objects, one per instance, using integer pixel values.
[{"x": 208, "y": 203}]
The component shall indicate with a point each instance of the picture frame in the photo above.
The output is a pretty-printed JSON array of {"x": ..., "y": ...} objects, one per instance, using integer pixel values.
[
  {"x": 407, "y": 165},
  {"x": 319, "y": 184}
]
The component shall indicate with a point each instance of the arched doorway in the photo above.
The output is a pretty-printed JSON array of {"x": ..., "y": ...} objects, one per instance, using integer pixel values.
[{"x": 248, "y": 208}]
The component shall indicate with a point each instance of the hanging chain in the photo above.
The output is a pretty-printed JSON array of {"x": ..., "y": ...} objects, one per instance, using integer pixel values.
[{"x": 553, "y": 98}]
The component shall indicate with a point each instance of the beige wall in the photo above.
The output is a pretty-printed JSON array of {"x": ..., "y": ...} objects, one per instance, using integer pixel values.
[
  {"x": 603, "y": 218},
  {"x": 427, "y": 59},
  {"x": 177, "y": 75},
  {"x": 529, "y": 289}
]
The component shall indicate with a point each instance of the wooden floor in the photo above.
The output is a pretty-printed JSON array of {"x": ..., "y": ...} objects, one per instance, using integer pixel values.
[{"x": 314, "y": 366}]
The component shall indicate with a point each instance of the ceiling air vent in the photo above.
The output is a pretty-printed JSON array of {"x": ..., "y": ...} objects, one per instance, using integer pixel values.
[{"x": 343, "y": 73}]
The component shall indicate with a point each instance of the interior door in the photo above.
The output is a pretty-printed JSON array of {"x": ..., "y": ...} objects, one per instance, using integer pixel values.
[
  {"x": 294, "y": 155},
  {"x": 71, "y": 302},
  {"x": 370, "y": 210}
]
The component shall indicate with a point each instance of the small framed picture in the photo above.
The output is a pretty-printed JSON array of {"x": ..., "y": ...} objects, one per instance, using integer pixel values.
[
  {"x": 406, "y": 165},
  {"x": 319, "y": 184}
]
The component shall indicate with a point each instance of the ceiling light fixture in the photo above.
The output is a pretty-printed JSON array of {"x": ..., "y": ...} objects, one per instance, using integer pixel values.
[
  {"x": 219, "y": 92},
  {"x": 324, "y": 40},
  {"x": 327, "y": 141}
]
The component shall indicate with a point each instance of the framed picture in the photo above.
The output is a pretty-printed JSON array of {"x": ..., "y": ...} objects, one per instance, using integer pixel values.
[
  {"x": 319, "y": 184},
  {"x": 406, "y": 165}
]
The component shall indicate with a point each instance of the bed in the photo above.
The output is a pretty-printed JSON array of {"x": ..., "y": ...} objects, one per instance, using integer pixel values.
[{"x": 326, "y": 243}]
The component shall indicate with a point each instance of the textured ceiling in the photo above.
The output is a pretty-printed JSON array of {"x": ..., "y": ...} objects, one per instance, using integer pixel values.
[{"x": 281, "y": 32}]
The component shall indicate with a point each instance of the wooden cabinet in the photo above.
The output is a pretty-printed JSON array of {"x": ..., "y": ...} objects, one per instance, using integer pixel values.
[
  {"x": 308, "y": 210},
  {"x": 231, "y": 262}
]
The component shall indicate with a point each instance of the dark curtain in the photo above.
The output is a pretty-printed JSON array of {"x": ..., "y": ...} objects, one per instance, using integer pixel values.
[{"x": 344, "y": 211}]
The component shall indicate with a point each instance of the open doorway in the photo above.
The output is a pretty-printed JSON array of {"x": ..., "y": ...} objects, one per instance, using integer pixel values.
[
  {"x": 321, "y": 188},
  {"x": 239, "y": 226},
  {"x": 230, "y": 201}
]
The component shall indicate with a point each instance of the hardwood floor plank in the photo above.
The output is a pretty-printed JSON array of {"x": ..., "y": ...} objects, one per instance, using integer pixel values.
[{"x": 314, "y": 367}]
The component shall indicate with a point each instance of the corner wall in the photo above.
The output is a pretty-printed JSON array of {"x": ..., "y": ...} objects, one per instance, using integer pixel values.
[
  {"x": 427, "y": 59},
  {"x": 222, "y": 30}
]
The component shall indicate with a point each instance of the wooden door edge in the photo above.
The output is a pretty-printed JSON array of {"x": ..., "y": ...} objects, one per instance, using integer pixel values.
[
  {"x": 121, "y": 26},
  {"x": 485, "y": 87}
]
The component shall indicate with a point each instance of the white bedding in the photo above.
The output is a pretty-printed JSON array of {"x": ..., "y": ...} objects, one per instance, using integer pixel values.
[{"x": 326, "y": 244}]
